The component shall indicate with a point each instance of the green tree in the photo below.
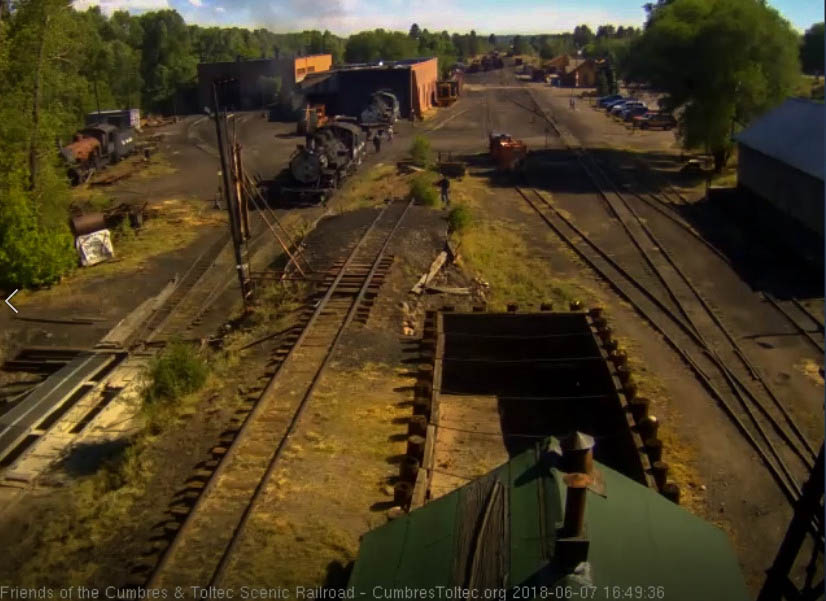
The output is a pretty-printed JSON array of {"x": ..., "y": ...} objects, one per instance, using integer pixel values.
[
  {"x": 520, "y": 45},
  {"x": 582, "y": 35},
  {"x": 38, "y": 102},
  {"x": 492, "y": 40},
  {"x": 168, "y": 63},
  {"x": 605, "y": 31},
  {"x": 474, "y": 47},
  {"x": 811, "y": 50},
  {"x": 720, "y": 61},
  {"x": 414, "y": 31}
]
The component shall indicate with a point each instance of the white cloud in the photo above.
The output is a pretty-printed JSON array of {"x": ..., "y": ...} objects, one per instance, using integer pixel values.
[
  {"x": 219, "y": 9},
  {"x": 110, "y": 6},
  {"x": 198, "y": 3}
]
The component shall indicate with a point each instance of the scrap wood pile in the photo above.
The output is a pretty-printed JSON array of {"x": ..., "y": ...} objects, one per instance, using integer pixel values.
[
  {"x": 444, "y": 276},
  {"x": 157, "y": 121}
]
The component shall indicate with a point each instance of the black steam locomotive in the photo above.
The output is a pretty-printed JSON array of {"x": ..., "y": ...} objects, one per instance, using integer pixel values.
[
  {"x": 332, "y": 152},
  {"x": 335, "y": 150}
]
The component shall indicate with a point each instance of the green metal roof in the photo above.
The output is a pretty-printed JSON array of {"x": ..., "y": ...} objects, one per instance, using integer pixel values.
[{"x": 637, "y": 539}]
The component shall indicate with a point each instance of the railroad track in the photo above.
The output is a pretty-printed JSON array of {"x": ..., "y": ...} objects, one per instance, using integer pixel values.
[
  {"x": 210, "y": 530},
  {"x": 766, "y": 426},
  {"x": 653, "y": 283},
  {"x": 177, "y": 304},
  {"x": 801, "y": 319}
]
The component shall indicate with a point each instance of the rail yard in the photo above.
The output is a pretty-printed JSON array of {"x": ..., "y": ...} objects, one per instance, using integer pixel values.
[{"x": 370, "y": 357}]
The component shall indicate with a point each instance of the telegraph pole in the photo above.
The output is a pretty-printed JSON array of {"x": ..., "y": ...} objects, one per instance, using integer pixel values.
[{"x": 232, "y": 202}]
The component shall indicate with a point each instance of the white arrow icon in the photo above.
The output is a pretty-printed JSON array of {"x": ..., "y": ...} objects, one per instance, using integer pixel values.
[{"x": 9, "y": 304}]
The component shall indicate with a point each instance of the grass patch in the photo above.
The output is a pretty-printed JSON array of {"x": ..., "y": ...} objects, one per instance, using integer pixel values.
[
  {"x": 175, "y": 373},
  {"x": 459, "y": 219},
  {"x": 420, "y": 152},
  {"x": 368, "y": 188},
  {"x": 498, "y": 254},
  {"x": 307, "y": 524},
  {"x": 423, "y": 189},
  {"x": 159, "y": 166}
]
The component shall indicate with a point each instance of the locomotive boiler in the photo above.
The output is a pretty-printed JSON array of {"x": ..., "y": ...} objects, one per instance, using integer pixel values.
[
  {"x": 332, "y": 152},
  {"x": 383, "y": 109}
]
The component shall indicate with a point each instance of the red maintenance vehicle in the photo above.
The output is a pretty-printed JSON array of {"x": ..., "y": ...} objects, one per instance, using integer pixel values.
[{"x": 508, "y": 153}]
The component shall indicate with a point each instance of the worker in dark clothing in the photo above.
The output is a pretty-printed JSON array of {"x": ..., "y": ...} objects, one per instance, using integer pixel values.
[
  {"x": 444, "y": 186},
  {"x": 377, "y": 143}
]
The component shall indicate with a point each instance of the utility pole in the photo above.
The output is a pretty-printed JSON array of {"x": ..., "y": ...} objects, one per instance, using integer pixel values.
[{"x": 232, "y": 203}]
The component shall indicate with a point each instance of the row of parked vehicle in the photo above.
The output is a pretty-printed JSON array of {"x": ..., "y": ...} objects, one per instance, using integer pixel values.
[{"x": 636, "y": 112}]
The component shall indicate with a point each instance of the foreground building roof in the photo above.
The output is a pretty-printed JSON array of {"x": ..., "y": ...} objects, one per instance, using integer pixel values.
[{"x": 500, "y": 531}]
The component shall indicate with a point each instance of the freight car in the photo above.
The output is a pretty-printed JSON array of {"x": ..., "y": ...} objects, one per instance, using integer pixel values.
[
  {"x": 316, "y": 169},
  {"x": 96, "y": 146}
]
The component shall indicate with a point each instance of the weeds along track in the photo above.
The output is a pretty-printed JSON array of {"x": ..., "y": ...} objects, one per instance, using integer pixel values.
[
  {"x": 649, "y": 278},
  {"x": 209, "y": 532}
]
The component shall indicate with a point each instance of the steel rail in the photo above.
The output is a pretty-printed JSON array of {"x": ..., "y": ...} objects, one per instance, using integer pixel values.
[
  {"x": 704, "y": 378},
  {"x": 669, "y": 290},
  {"x": 806, "y": 333},
  {"x": 579, "y": 152},
  {"x": 169, "y": 552},
  {"x": 734, "y": 344},
  {"x": 809, "y": 314},
  {"x": 231, "y": 548}
]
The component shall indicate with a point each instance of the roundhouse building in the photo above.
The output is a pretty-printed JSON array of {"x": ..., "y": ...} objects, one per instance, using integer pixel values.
[
  {"x": 252, "y": 81},
  {"x": 780, "y": 169},
  {"x": 347, "y": 90}
]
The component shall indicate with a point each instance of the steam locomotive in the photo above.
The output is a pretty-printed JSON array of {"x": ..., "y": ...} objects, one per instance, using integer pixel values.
[
  {"x": 382, "y": 110},
  {"x": 332, "y": 152},
  {"x": 94, "y": 147},
  {"x": 336, "y": 149}
]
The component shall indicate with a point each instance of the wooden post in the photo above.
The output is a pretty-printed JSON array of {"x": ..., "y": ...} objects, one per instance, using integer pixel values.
[{"x": 232, "y": 209}]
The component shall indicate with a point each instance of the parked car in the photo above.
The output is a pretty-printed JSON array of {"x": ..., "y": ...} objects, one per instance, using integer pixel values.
[
  {"x": 608, "y": 105},
  {"x": 627, "y": 114},
  {"x": 663, "y": 120},
  {"x": 618, "y": 108},
  {"x": 601, "y": 102}
]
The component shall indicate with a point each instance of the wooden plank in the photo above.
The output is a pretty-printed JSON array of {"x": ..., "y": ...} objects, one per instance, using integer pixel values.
[
  {"x": 55, "y": 390},
  {"x": 448, "y": 290},
  {"x": 435, "y": 266},
  {"x": 419, "y": 489}
]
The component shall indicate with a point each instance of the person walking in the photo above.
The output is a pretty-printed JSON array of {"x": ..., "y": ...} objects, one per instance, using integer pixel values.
[
  {"x": 572, "y": 103},
  {"x": 377, "y": 142},
  {"x": 389, "y": 135},
  {"x": 444, "y": 186}
]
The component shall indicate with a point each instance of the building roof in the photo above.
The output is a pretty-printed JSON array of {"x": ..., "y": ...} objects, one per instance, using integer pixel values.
[
  {"x": 791, "y": 133},
  {"x": 499, "y": 531},
  {"x": 313, "y": 79}
]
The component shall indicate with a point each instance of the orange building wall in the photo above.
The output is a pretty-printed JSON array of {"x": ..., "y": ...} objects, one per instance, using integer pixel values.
[
  {"x": 424, "y": 76},
  {"x": 315, "y": 63}
]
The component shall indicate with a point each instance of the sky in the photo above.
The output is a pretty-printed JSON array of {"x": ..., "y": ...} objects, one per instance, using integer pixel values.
[{"x": 344, "y": 17}]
